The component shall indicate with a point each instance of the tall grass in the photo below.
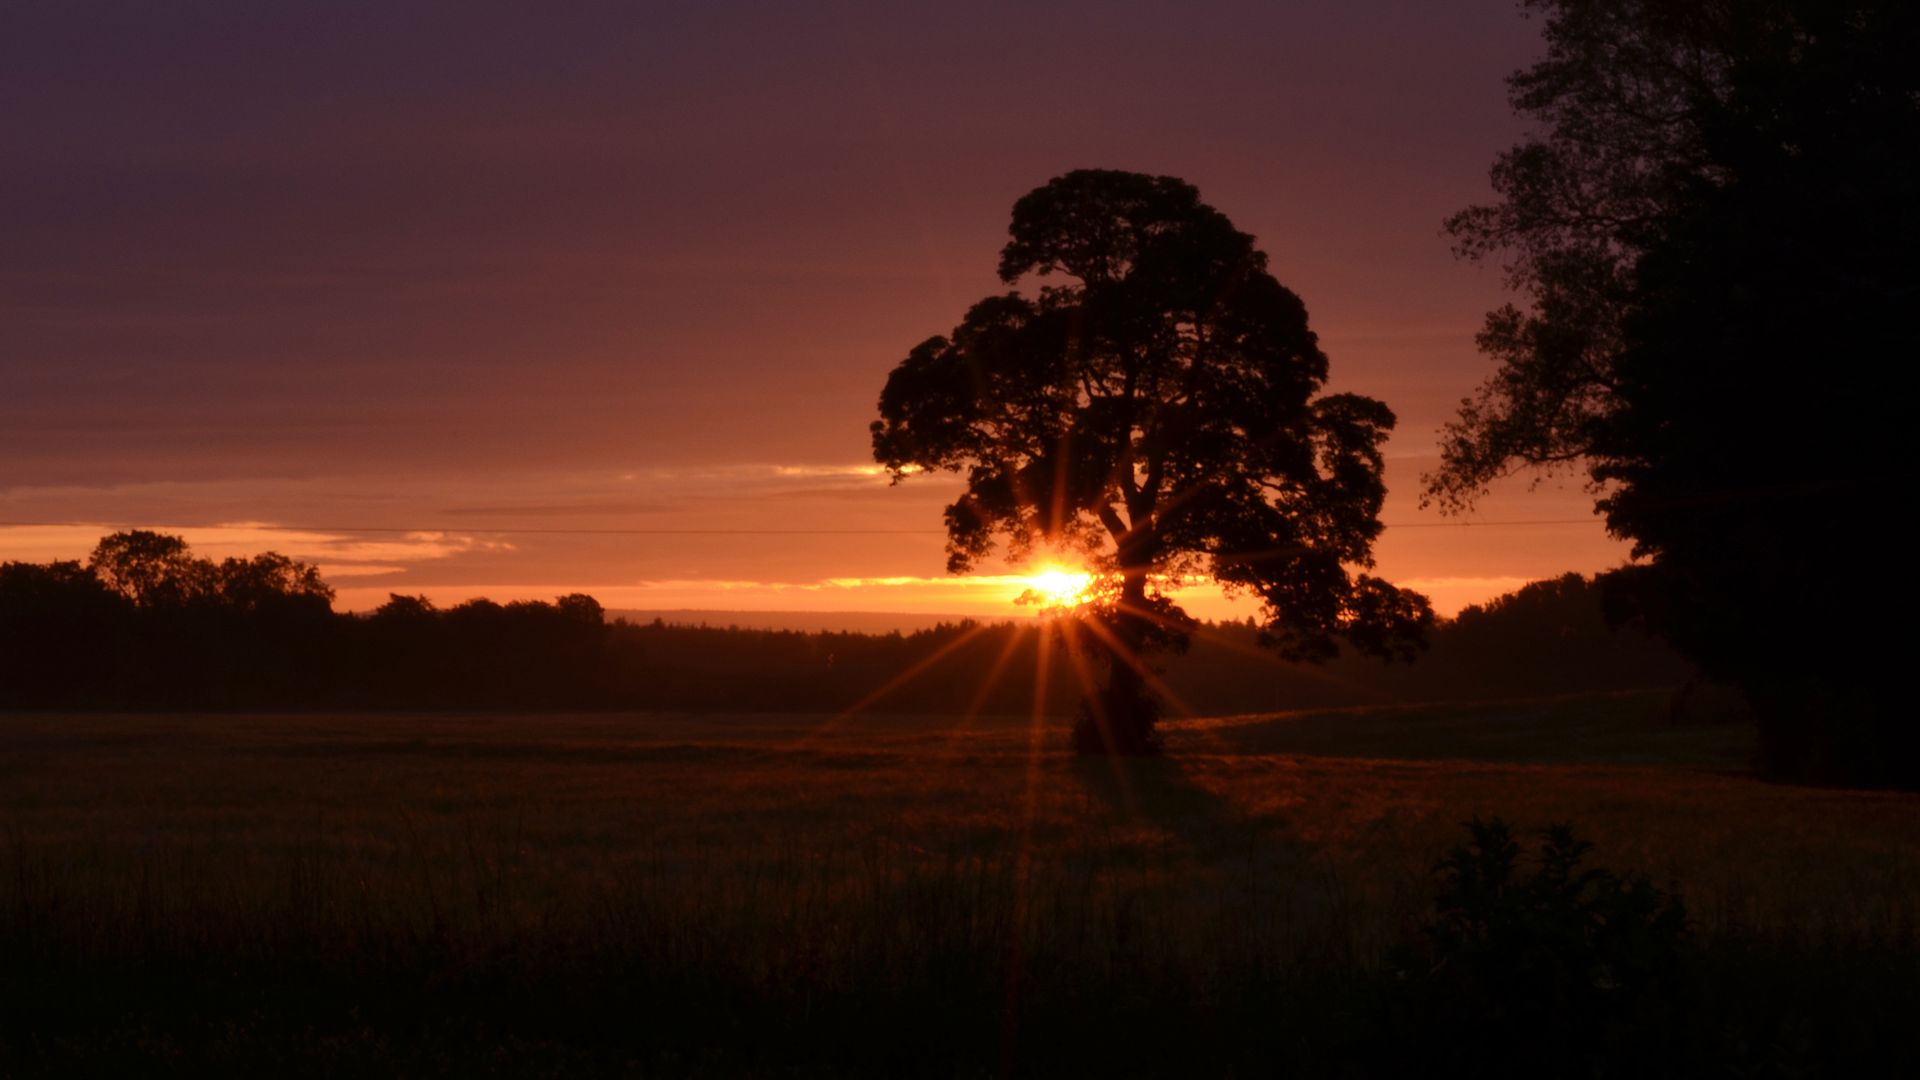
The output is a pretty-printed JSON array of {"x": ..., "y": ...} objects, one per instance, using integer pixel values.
[{"x": 567, "y": 895}]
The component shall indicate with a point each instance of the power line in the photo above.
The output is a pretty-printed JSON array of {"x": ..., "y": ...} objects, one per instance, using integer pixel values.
[
  {"x": 1487, "y": 524},
  {"x": 514, "y": 529},
  {"x": 584, "y": 531}
]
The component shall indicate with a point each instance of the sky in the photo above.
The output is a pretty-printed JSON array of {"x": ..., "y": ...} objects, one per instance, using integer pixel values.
[{"x": 513, "y": 300}]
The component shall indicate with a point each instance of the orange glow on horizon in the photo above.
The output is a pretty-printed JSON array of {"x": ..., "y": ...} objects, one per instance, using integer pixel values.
[{"x": 366, "y": 568}]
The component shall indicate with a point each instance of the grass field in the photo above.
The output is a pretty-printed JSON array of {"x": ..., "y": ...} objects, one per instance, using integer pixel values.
[{"x": 429, "y": 894}]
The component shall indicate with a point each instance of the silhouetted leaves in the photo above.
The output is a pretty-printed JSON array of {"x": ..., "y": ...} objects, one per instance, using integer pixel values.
[
  {"x": 264, "y": 636},
  {"x": 1152, "y": 407},
  {"x": 146, "y": 624},
  {"x": 270, "y": 583},
  {"x": 1714, "y": 231},
  {"x": 151, "y": 569},
  {"x": 1566, "y": 970}
]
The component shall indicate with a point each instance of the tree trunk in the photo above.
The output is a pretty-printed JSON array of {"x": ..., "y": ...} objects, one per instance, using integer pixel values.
[{"x": 1120, "y": 718}]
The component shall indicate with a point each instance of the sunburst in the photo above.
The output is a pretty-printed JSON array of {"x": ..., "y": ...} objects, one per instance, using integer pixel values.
[{"x": 1057, "y": 588}]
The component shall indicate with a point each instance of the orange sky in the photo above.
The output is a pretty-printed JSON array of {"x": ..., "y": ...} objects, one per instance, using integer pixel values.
[
  {"x": 732, "y": 546},
  {"x": 604, "y": 302}
]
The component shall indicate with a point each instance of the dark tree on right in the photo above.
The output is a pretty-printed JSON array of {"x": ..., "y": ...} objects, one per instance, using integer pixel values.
[{"x": 1715, "y": 230}]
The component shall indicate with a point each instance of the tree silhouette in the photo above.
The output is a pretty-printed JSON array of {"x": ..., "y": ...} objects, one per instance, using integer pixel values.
[
  {"x": 1714, "y": 229},
  {"x": 271, "y": 581},
  {"x": 1152, "y": 408},
  {"x": 61, "y": 635},
  {"x": 151, "y": 569}
]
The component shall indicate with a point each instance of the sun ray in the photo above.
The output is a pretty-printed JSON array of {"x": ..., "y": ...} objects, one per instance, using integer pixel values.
[
  {"x": 1160, "y": 686},
  {"x": 913, "y": 671},
  {"x": 1023, "y": 851},
  {"x": 1305, "y": 671},
  {"x": 1056, "y": 527},
  {"x": 1090, "y": 696},
  {"x": 987, "y": 684},
  {"x": 1089, "y": 685},
  {"x": 1133, "y": 660}
]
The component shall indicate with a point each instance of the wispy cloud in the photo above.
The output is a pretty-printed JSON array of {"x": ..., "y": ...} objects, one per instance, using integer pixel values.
[
  {"x": 336, "y": 554},
  {"x": 1498, "y": 584},
  {"x": 674, "y": 535},
  {"x": 829, "y": 470},
  {"x": 360, "y": 570}
]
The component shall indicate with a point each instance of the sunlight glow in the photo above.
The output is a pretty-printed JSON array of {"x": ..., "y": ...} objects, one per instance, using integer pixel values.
[{"x": 1056, "y": 588}]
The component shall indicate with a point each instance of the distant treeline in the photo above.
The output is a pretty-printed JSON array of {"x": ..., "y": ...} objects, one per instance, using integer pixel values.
[{"x": 144, "y": 624}]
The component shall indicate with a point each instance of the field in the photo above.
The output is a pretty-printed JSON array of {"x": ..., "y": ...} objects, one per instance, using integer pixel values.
[{"x": 608, "y": 894}]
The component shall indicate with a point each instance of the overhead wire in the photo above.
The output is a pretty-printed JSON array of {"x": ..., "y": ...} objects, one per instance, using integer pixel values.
[{"x": 727, "y": 531}]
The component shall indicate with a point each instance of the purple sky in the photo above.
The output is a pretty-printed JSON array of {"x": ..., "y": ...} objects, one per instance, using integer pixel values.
[{"x": 461, "y": 268}]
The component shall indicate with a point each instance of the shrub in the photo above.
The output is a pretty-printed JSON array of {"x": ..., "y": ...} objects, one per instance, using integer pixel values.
[{"x": 1560, "y": 971}]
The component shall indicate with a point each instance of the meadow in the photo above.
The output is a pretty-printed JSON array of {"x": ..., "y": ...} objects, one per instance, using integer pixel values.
[{"x": 427, "y": 894}]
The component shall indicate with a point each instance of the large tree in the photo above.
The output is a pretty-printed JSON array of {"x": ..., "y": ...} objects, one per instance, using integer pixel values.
[
  {"x": 151, "y": 569},
  {"x": 1713, "y": 232},
  {"x": 1153, "y": 406}
]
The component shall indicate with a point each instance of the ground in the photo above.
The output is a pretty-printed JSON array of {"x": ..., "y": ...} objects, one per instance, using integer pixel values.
[{"x": 194, "y": 890}]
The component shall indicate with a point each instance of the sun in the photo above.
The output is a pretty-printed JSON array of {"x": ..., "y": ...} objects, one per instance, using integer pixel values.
[{"x": 1056, "y": 588}]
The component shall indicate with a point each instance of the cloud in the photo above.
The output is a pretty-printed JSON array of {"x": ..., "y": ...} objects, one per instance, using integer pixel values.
[
  {"x": 674, "y": 535},
  {"x": 558, "y": 509},
  {"x": 337, "y": 554},
  {"x": 357, "y": 570},
  {"x": 1503, "y": 583},
  {"x": 830, "y": 470}
]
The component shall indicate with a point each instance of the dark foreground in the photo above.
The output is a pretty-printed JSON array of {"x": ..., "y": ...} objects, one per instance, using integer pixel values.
[{"x": 587, "y": 895}]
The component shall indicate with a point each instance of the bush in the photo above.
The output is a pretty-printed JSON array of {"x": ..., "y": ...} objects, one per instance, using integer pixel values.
[{"x": 1563, "y": 971}]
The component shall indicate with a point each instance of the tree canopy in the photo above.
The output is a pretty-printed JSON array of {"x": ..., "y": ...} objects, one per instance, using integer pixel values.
[
  {"x": 1713, "y": 231},
  {"x": 1154, "y": 408},
  {"x": 157, "y": 570},
  {"x": 67, "y": 641}
]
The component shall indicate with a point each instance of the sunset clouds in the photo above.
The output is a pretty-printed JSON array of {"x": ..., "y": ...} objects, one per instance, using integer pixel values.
[{"x": 465, "y": 272}]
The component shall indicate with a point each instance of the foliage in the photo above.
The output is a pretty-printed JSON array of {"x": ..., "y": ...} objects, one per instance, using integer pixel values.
[
  {"x": 155, "y": 570},
  {"x": 147, "y": 624},
  {"x": 67, "y": 641},
  {"x": 1547, "y": 637},
  {"x": 268, "y": 582},
  {"x": 1559, "y": 972},
  {"x": 1152, "y": 407},
  {"x": 150, "y": 569},
  {"x": 1713, "y": 230}
]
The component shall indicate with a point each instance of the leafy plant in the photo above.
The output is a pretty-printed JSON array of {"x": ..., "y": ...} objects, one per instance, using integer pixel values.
[{"x": 1556, "y": 969}]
